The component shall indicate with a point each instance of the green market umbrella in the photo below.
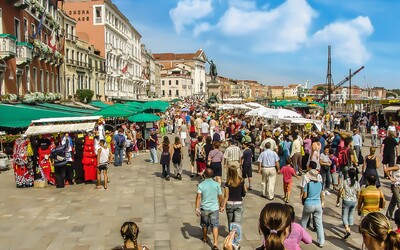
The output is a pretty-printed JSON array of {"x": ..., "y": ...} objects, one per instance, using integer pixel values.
[
  {"x": 297, "y": 104},
  {"x": 176, "y": 100},
  {"x": 282, "y": 103},
  {"x": 114, "y": 111},
  {"x": 99, "y": 104},
  {"x": 144, "y": 117},
  {"x": 156, "y": 105}
]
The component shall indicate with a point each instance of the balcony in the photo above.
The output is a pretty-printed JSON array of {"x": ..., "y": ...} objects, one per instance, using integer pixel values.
[
  {"x": 8, "y": 46},
  {"x": 22, "y": 4},
  {"x": 71, "y": 38},
  {"x": 24, "y": 53}
]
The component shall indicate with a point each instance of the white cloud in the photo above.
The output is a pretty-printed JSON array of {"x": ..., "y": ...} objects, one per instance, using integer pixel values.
[
  {"x": 200, "y": 28},
  {"x": 281, "y": 29},
  {"x": 188, "y": 11},
  {"x": 346, "y": 37}
]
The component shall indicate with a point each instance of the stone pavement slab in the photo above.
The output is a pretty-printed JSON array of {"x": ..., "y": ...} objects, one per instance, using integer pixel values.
[{"x": 80, "y": 217}]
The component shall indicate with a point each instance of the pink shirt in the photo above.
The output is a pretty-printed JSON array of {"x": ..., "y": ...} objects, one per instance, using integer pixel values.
[
  {"x": 287, "y": 172},
  {"x": 297, "y": 235}
]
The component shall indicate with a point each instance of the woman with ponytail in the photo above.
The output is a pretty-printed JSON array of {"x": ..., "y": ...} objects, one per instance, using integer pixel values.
[
  {"x": 377, "y": 233},
  {"x": 130, "y": 232},
  {"x": 275, "y": 225},
  {"x": 349, "y": 190}
]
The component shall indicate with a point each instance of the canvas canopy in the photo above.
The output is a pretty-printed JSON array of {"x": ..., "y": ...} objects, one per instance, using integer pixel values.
[{"x": 59, "y": 128}]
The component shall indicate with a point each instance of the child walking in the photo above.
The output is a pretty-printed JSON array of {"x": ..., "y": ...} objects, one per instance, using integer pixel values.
[{"x": 288, "y": 173}]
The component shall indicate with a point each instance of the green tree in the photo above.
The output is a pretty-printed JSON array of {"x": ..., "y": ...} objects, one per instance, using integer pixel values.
[{"x": 84, "y": 95}]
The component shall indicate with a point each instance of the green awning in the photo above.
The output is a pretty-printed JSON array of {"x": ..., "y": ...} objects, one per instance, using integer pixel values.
[
  {"x": 99, "y": 104},
  {"x": 144, "y": 118},
  {"x": 114, "y": 111},
  {"x": 66, "y": 108},
  {"x": 177, "y": 100},
  {"x": 20, "y": 115}
]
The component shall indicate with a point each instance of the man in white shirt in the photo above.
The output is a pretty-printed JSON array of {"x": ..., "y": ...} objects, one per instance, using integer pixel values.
[
  {"x": 374, "y": 135},
  {"x": 204, "y": 129},
  {"x": 270, "y": 140},
  {"x": 197, "y": 124},
  {"x": 268, "y": 167}
]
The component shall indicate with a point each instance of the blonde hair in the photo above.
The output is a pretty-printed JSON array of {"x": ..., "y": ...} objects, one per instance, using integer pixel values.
[
  {"x": 274, "y": 220},
  {"x": 233, "y": 178},
  {"x": 377, "y": 226}
]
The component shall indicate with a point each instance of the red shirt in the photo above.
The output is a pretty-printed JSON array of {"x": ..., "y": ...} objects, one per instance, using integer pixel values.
[
  {"x": 287, "y": 172},
  {"x": 398, "y": 230}
]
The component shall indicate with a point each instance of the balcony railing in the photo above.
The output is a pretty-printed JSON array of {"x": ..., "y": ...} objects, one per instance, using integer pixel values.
[
  {"x": 24, "y": 53},
  {"x": 8, "y": 46},
  {"x": 71, "y": 37}
]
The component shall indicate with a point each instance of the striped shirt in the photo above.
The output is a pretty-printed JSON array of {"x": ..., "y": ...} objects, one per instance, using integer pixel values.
[
  {"x": 233, "y": 153},
  {"x": 370, "y": 197}
]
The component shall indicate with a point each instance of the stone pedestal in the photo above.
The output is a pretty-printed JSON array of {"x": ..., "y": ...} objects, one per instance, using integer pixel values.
[{"x": 214, "y": 90}]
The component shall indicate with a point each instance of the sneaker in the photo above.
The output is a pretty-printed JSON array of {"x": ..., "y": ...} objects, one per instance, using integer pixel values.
[
  {"x": 192, "y": 176},
  {"x": 179, "y": 177},
  {"x": 167, "y": 178},
  {"x": 327, "y": 192},
  {"x": 347, "y": 235},
  {"x": 250, "y": 188}
]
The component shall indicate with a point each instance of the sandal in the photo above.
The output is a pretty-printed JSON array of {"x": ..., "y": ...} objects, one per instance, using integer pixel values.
[
  {"x": 215, "y": 247},
  {"x": 98, "y": 187}
]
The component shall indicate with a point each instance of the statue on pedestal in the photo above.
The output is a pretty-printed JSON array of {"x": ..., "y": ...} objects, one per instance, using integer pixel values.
[{"x": 213, "y": 71}]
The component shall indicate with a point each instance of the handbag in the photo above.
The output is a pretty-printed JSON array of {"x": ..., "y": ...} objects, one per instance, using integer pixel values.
[{"x": 302, "y": 151}]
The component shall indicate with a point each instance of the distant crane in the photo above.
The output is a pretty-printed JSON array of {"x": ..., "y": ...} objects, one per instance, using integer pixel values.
[{"x": 342, "y": 82}]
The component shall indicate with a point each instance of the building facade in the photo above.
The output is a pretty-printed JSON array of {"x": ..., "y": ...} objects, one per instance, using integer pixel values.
[
  {"x": 101, "y": 23},
  {"x": 83, "y": 68},
  {"x": 195, "y": 62},
  {"x": 29, "y": 56},
  {"x": 177, "y": 82}
]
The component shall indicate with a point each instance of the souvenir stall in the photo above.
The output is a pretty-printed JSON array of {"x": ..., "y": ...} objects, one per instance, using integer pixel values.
[
  {"x": 22, "y": 163},
  {"x": 60, "y": 159}
]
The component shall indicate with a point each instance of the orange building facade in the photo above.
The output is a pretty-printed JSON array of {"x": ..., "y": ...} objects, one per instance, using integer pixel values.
[{"x": 28, "y": 62}]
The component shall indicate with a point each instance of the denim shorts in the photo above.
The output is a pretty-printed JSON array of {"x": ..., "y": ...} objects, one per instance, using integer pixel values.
[{"x": 209, "y": 218}]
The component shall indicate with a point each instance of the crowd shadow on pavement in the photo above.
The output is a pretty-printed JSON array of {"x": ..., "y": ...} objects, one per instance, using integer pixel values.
[{"x": 188, "y": 231}]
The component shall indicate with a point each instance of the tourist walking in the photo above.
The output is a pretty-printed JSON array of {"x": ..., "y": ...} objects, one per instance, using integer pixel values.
[
  {"x": 348, "y": 191},
  {"x": 153, "y": 143},
  {"x": 374, "y": 135},
  {"x": 325, "y": 171},
  {"x": 370, "y": 166},
  {"x": 389, "y": 151},
  {"x": 119, "y": 142},
  {"x": 200, "y": 155},
  {"x": 208, "y": 205},
  {"x": 313, "y": 201},
  {"x": 234, "y": 191},
  {"x": 393, "y": 174},
  {"x": 103, "y": 159},
  {"x": 165, "y": 157},
  {"x": 371, "y": 199},
  {"x": 268, "y": 167},
  {"x": 214, "y": 159},
  {"x": 177, "y": 158},
  {"x": 207, "y": 148},
  {"x": 232, "y": 156},
  {"x": 191, "y": 149},
  {"x": 183, "y": 133},
  {"x": 295, "y": 153},
  {"x": 288, "y": 172},
  {"x": 246, "y": 164}
]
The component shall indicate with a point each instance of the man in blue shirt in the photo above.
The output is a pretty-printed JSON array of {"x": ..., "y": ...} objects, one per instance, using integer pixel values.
[
  {"x": 268, "y": 166},
  {"x": 119, "y": 143},
  {"x": 208, "y": 205},
  {"x": 153, "y": 141}
]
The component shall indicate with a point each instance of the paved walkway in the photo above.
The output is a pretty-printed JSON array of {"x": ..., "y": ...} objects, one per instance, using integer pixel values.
[{"x": 80, "y": 217}]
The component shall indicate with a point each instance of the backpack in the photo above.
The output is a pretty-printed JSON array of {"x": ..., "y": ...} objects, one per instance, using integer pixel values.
[
  {"x": 200, "y": 151},
  {"x": 121, "y": 141},
  {"x": 343, "y": 157}
]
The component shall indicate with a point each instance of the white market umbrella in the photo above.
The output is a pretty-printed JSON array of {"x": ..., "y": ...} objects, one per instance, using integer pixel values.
[
  {"x": 254, "y": 105},
  {"x": 280, "y": 113},
  {"x": 257, "y": 111}
]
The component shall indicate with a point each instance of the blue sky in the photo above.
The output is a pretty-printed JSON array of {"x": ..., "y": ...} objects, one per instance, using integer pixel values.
[{"x": 278, "y": 42}]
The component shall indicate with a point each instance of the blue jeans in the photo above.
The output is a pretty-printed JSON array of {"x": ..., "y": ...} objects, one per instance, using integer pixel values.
[
  {"x": 316, "y": 211},
  {"x": 374, "y": 140},
  {"x": 118, "y": 156},
  {"x": 209, "y": 218},
  {"x": 348, "y": 212},
  {"x": 153, "y": 155},
  {"x": 234, "y": 212},
  {"x": 165, "y": 170},
  {"x": 326, "y": 177}
]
